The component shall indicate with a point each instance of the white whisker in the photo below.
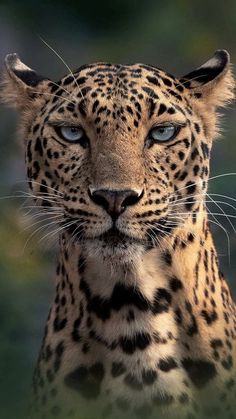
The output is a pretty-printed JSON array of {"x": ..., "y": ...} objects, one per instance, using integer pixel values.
[
  {"x": 227, "y": 216},
  {"x": 63, "y": 61},
  {"x": 36, "y": 231},
  {"x": 53, "y": 95},
  {"x": 40, "y": 184},
  {"x": 200, "y": 180}
]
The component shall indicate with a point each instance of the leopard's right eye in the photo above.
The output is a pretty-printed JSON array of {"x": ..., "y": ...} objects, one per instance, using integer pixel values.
[{"x": 73, "y": 135}]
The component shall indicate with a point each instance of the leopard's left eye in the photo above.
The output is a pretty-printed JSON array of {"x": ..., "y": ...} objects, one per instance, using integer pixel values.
[{"x": 163, "y": 133}]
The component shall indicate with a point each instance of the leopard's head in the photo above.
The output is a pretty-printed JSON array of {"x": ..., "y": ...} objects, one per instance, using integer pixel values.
[{"x": 120, "y": 152}]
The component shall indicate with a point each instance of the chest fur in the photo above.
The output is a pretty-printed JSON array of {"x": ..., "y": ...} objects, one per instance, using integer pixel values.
[{"x": 151, "y": 346}]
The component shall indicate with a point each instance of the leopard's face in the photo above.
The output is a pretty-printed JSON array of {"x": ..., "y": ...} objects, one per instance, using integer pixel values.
[{"x": 122, "y": 152}]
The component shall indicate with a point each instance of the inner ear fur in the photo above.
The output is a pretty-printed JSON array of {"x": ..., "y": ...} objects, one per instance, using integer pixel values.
[
  {"x": 19, "y": 83},
  {"x": 213, "y": 82}
]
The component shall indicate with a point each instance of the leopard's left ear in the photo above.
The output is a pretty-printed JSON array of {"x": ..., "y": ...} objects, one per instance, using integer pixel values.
[
  {"x": 213, "y": 82},
  {"x": 19, "y": 83}
]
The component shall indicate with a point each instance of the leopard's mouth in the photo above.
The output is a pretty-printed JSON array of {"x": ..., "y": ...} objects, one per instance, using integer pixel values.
[{"x": 114, "y": 237}]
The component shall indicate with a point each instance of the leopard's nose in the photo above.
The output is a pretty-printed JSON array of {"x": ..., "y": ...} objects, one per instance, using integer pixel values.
[{"x": 114, "y": 202}]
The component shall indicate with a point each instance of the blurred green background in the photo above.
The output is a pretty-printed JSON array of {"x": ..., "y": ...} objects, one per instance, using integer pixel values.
[{"x": 175, "y": 35}]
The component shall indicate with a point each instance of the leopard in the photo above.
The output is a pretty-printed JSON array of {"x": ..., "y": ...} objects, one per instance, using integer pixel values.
[{"x": 142, "y": 322}]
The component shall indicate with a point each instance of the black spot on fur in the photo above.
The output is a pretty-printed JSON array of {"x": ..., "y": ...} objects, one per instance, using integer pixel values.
[
  {"x": 205, "y": 150},
  {"x": 193, "y": 327},
  {"x": 117, "y": 369},
  {"x": 82, "y": 108},
  {"x": 59, "y": 324},
  {"x": 121, "y": 296},
  {"x": 162, "y": 301},
  {"x": 86, "y": 380},
  {"x": 210, "y": 317},
  {"x": 216, "y": 343},
  {"x": 190, "y": 187},
  {"x": 150, "y": 92},
  {"x": 132, "y": 382},
  {"x": 38, "y": 146},
  {"x": 149, "y": 377},
  {"x": 166, "y": 81},
  {"x": 227, "y": 363},
  {"x": 161, "y": 109},
  {"x": 167, "y": 364},
  {"x": 153, "y": 80},
  {"x": 81, "y": 80},
  {"x": 138, "y": 341},
  {"x": 175, "y": 284},
  {"x": 167, "y": 257},
  {"x": 199, "y": 371}
]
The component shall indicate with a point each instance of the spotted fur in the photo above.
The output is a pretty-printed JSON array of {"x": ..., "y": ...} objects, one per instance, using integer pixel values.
[{"x": 143, "y": 324}]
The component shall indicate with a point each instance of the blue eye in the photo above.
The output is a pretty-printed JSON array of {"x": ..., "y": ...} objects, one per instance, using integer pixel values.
[
  {"x": 72, "y": 134},
  {"x": 163, "y": 133}
]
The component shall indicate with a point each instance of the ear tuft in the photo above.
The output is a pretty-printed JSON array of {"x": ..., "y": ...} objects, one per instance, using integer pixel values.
[
  {"x": 213, "y": 82},
  {"x": 215, "y": 66},
  {"x": 27, "y": 75},
  {"x": 18, "y": 82},
  {"x": 13, "y": 62}
]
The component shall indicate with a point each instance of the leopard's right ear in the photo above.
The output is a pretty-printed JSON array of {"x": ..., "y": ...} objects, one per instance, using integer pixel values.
[{"x": 19, "y": 83}]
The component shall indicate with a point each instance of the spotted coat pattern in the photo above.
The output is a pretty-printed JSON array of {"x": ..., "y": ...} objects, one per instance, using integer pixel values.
[{"x": 143, "y": 324}]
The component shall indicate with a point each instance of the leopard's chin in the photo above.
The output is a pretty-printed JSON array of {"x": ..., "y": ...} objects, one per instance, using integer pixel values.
[{"x": 115, "y": 246}]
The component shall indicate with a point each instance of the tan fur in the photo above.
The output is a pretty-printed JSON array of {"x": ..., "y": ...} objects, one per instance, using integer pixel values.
[{"x": 149, "y": 299}]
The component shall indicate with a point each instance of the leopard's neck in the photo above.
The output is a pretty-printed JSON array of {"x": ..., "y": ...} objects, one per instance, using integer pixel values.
[
  {"x": 178, "y": 284},
  {"x": 164, "y": 322}
]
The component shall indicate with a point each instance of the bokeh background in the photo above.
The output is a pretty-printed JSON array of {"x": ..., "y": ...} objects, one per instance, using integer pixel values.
[{"x": 176, "y": 35}]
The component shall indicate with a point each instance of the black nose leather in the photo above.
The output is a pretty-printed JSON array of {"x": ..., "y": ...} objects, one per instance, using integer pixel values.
[{"x": 115, "y": 202}]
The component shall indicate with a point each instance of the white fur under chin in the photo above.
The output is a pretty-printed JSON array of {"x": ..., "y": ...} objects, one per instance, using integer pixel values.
[{"x": 120, "y": 254}]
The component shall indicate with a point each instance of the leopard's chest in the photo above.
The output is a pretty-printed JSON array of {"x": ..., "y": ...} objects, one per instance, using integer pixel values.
[{"x": 97, "y": 374}]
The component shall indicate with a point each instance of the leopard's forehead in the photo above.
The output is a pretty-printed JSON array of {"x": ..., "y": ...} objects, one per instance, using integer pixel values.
[{"x": 108, "y": 80}]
